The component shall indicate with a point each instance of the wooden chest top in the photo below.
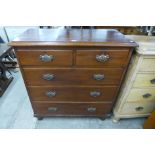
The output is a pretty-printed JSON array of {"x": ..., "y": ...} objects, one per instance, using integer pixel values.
[{"x": 72, "y": 37}]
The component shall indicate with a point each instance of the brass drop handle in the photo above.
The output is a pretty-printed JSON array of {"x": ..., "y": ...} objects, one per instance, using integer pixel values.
[
  {"x": 52, "y": 109},
  {"x": 48, "y": 77},
  {"x": 139, "y": 108},
  {"x": 98, "y": 76},
  {"x": 95, "y": 93},
  {"x": 152, "y": 81},
  {"x": 50, "y": 93},
  {"x": 102, "y": 58},
  {"x": 46, "y": 58},
  {"x": 91, "y": 109},
  {"x": 147, "y": 95}
]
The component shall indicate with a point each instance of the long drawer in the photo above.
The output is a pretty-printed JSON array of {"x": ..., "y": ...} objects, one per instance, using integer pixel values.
[
  {"x": 71, "y": 109},
  {"x": 144, "y": 80},
  {"x": 137, "y": 108},
  {"x": 142, "y": 95},
  {"x": 73, "y": 76},
  {"x": 77, "y": 94},
  {"x": 148, "y": 64},
  {"x": 45, "y": 57},
  {"x": 101, "y": 58}
]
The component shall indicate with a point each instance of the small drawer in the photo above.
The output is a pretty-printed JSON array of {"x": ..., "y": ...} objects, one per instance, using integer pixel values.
[
  {"x": 83, "y": 94},
  {"x": 142, "y": 95},
  {"x": 145, "y": 80},
  {"x": 148, "y": 64},
  {"x": 72, "y": 109},
  {"x": 45, "y": 58},
  {"x": 137, "y": 108},
  {"x": 102, "y": 58},
  {"x": 49, "y": 76}
]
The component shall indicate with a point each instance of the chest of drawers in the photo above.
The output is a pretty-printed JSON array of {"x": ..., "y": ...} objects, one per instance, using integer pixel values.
[
  {"x": 73, "y": 72},
  {"x": 137, "y": 96}
]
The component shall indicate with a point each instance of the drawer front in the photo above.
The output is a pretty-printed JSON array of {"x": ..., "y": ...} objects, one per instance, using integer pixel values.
[
  {"x": 142, "y": 95},
  {"x": 84, "y": 94},
  {"x": 148, "y": 64},
  {"x": 145, "y": 80},
  {"x": 137, "y": 108},
  {"x": 46, "y": 58},
  {"x": 38, "y": 76},
  {"x": 72, "y": 109},
  {"x": 99, "y": 58}
]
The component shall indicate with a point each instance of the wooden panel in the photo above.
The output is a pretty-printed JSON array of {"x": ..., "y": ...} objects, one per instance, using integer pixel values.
[
  {"x": 137, "y": 95},
  {"x": 73, "y": 93},
  {"x": 137, "y": 108},
  {"x": 150, "y": 122},
  {"x": 72, "y": 37},
  {"x": 117, "y": 58},
  {"x": 148, "y": 64},
  {"x": 73, "y": 76},
  {"x": 61, "y": 57},
  {"x": 145, "y": 80},
  {"x": 72, "y": 109}
]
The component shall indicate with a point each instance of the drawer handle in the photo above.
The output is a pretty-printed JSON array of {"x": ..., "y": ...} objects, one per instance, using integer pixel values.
[
  {"x": 95, "y": 93},
  {"x": 98, "y": 76},
  {"x": 52, "y": 109},
  {"x": 46, "y": 58},
  {"x": 102, "y": 58},
  {"x": 147, "y": 95},
  {"x": 48, "y": 77},
  {"x": 50, "y": 93},
  {"x": 152, "y": 81},
  {"x": 139, "y": 108},
  {"x": 91, "y": 109}
]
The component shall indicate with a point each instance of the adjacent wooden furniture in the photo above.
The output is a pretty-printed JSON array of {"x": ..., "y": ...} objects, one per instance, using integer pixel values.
[
  {"x": 75, "y": 72},
  {"x": 150, "y": 121},
  {"x": 126, "y": 30},
  {"x": 4, "y": 79},
  {"x": 137, "y": 96}
]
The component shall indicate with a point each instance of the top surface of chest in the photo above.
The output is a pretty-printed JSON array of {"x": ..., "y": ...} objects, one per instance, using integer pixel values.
[{"x": 72, "y": 37}]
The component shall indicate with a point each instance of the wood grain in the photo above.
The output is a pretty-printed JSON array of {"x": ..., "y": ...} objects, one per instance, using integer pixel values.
[
  {"x": 76, "y": 94},
  {"x": 61, "y": 57},
  {"x": 72, "y": 37},
  {"x": 148, "y": 65},
  {"x": 71, "y": 109},
  {"x": 72, "y": 76},
  {"x": 150, "y": 122},
  {"x": 73, "y": 67},
  {"x": 144, "y": 80},
  {"x": 136, "y": 95},
  {"x": 117, "y": 58}
]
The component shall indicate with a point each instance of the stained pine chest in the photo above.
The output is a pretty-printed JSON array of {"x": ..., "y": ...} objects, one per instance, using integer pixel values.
[{"x": 75, "y": 72}]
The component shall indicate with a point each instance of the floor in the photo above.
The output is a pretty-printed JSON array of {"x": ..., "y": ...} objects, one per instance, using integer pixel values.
[{"x": 16, "y": 113}]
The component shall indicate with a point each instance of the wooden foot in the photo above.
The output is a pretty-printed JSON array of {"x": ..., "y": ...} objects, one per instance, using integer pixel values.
[
  {"x": 115, "y": 119},
  {"x": 102, "y": 118},
  {"x": 40, "y": 118}
]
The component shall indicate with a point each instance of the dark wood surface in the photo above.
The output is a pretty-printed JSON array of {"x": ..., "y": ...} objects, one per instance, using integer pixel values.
[
  {"x": 72, "y": 109},
  {"x": 61, "y": 58},
  {"x": 79, "y": 94},
  {"x": 117, "y": 58},
  {"x": 73, "y": 66},
  {"x": 72, "y": 37},
  {"x": 150, "y": 121},
  {"x": 72, "y": 76}
]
